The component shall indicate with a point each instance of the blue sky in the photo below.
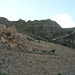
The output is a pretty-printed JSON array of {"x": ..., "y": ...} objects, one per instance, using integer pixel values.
[{"x": 39, "y": 9}]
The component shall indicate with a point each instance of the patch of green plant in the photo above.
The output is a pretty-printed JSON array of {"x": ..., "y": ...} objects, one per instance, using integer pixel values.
[
  {"x": 10, "y": 39},
  {"x": 64, "y": 43},
  {"x": 59, "y": 74},
  {"x": 4, "y": 74},
  {"x": 8, "y": 33},
  {"x": 29, "y": 51},
  {"x": 52, "y": 52},
  {"x": 70, "y": 36},
  {"x": 39, "y": 38},
  {"x": 13, "y": 36},
  {"x": 44, "y": 52}
]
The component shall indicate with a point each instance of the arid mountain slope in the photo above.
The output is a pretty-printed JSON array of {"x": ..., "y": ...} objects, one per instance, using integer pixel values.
[
  {"x": 45, "y": 30},
  {"x": 67, "y": 40},
  {"x": 23, "y": 55}
]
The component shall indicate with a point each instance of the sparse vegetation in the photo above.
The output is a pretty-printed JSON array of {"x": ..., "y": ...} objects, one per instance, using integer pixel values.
[
  {"x": 8, "y": 33},
  {"x": 39, "y": 38},
  {"x": 64, "y": 43},
  {"x": 59, "y": 74},
  {"x": 36, "y": 51},
  {"x": 4, "y": 74}
]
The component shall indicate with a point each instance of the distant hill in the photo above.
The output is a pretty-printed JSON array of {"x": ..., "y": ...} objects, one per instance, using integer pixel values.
[{"x": 45, "y": 30}]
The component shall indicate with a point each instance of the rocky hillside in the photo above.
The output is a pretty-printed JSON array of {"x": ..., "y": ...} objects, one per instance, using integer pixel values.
[
  {"x": 45, "y": 30},
  {"x": 23, "y": 55},
  {"x": 67, "y": 40},
  {"x": 9, "y": 38}
]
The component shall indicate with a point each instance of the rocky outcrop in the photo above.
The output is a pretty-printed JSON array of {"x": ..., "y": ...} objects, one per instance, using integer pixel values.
[
  {"x": 9, "y": 38},
  {"x": 4, "y": 21}
]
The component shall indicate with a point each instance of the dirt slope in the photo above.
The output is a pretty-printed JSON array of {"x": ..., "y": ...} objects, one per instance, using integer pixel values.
[{"x": 16, "y": 60}]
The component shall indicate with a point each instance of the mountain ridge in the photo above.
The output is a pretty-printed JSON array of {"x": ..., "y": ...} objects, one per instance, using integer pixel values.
[{"x": 45, "y": 30}]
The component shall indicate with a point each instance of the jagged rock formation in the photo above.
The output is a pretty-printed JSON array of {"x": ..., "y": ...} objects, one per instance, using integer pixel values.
[
  {"x": 7, "y": 34},
  {"x": 9, "y": 38}
]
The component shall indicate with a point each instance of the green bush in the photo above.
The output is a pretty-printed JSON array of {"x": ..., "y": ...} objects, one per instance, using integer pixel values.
[
  {"x": 39, "y": 38},
  {"x": 8, "y": 33},
  {"x": 52, "y": 52},
  {"x": 59, "y": 74}
]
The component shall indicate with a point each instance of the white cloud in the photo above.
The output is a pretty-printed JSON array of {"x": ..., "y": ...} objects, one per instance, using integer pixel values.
[{"x": 64, "y": 20}]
